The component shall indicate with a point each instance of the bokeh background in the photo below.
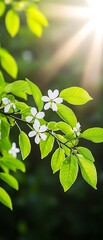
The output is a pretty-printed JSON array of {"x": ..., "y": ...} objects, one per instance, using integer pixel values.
[{"x": 42, "y": 211}]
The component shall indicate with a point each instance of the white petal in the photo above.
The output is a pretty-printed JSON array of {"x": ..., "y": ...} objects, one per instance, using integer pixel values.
[
  {"x": 36, "y": 125},
  {"x": 45, "y": 99},
  {"x": 50, "y": 94},
  {"x": 32, "y": 134},
  {"x": 43, "y": 136},
  {"x": 58, "y": 100},
  {"x": 33, "y": 111},
  {"x": 74, "y": 129},
  {"x": 78, "y": 125},
  {"x": 40, "y": 115},
  {"x": 13, "y": 145},
  {"x": 29, "y": 118},
  {"x": 54, "y": 107},
  {"x": 47, "y": 106},
  {"x": 5, "y": 100},
  {"x": 7, "y": 108},
  {"x": 43, "y": 128},
  {"x": 78, "y": 133},
  {"x": 17, "y": 150},
  {"x": 56, "y": 93},
  {"x": 37, "y": 139}
]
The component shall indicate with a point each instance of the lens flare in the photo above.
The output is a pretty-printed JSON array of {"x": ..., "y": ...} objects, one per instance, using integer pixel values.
[{"x": 95, "y": 13}]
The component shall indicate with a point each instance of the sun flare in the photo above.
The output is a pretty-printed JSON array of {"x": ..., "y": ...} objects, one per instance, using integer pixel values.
[{"x": 96, "y": 13}]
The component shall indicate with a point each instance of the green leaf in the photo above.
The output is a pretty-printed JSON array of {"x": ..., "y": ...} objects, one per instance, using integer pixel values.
[
  {"x": 19, "y": 85},
  {"x": 2, "y": 81},
  {"x": 24, "y": 144},
  {"x": 5, "y": 198},
  {"x": 46, "y": 146},
  {"x": 12, "y": 163},
  {"x": 34, "y": 26},
  {"x": 12, "y": 22},
  {"x": 66, "y": 150},
  {"x": 35, "y": 20},
  {"x": 5, "y": 129},
  {"x": 69, "y": 172},
  {"x": 2, "y": 8},
  {"x": 75, "y": 95},
  {"x": 37, "y": 95},
  {"x": 86, "y": 153},
  {"x": 57, "y": 159},
  {"x": 88, "y": 171},
  {"x": 66, "y": 129},
  {"x": 10, "y": 180},
  {"x": 8, "y": 63},
  {"x": 93, "y": 134},
  {"x": 67, "y": 115},
  {"x": 52, "y": 126}
]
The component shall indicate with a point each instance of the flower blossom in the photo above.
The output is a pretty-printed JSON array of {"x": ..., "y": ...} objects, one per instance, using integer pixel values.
[
  {"x": 14, "y": 150},
  {"x": 52, "y": 99},
  {"x": 8, "y": 104},
  {"x": 77, "y": 129},
  {"x": 34, "y": 114},
  {"x": 38, "y": 132}
]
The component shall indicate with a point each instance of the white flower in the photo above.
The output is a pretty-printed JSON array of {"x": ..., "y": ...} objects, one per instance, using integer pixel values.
[
  {"x": 38, "y": 132},
  {"x": 14, "y": 150},
  {"x": 52, "y": 99},
  {"x": 35, "y": 114},
  {"x": 77, "y": 129},
  {"x": 8, "y": 104}
]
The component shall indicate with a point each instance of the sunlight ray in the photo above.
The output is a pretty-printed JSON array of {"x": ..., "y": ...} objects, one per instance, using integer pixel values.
[
  {"x": 63, "y": 54},
  {"x": 94, "y": 63},
  {"x": 64, "y": 11}
]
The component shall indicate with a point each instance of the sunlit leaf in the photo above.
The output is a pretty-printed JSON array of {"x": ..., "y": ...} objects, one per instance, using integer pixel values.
[
  {"x": 69, "y": 172},
  {"x": 46, "y": 146},
  {"x": 5, "y": 198},
  {"x": 88, "y": 171},
  {"x": 12, "y": 22},
  {"x": 24, "y": 144},
  {"x": 37, "y": 95},
  {"x": 75, "y": 95},
  {"x": 8, "y": 63},
  {"x": 67, "y": 115},
  {"x": 2, "y": 8},
  {"x": 93, "y": 134},
  {"x": 57, "y": 159},
  {"x": 10, "y": 180},
  {"x": 86, "y": 153}
]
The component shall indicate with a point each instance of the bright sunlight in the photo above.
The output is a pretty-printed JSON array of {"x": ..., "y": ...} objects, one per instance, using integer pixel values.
[{"x": 88, "y": 14}]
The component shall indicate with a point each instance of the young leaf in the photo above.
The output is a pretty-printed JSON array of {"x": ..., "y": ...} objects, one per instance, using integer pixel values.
[
  {"x": 8, "y": 63},
  {"x": 69, "y": 172},
  {"x": 5, "y": 198},
  {"x": 10, "y": 180},
  {"x": 67, "y": 115},
  {"x": 93, "y": 134},
  {"x": 2, "y": 8},
  {"x": 66, "y": 129},
  {"x": 46, "y": 146},
  {"x": 88, "y": 171},
  {"x": 37, "y": 95},
  {"x": 86, "y": 153},
  {"x": 19, "y": 85},
  {"x": 75, "y": 95},
  {"x": 12, "y": 22},
  {"x": 2, "y": 81},
  {"x": 24, "y": 144},
  {"x": 57, "y": 159}
]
